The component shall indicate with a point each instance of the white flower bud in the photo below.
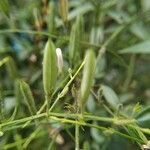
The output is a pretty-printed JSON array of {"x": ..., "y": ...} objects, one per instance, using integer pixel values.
[{"x": 59, "y": 59}]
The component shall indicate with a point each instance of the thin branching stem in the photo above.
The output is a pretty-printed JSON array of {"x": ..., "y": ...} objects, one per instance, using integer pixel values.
[{"x": 66, "y": 86}]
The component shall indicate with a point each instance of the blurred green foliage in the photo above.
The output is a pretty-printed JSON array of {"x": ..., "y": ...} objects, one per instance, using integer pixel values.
[{"x": 118, "y": 31}]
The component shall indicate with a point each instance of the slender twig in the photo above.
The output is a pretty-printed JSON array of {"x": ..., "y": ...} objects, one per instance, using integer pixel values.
[
  {"x": 70, "y": 121},
  {"x": 77, "y": 147},
  {"x": 66, "y": 86},
  {"x": 118, "y": 121},
  {"x": 130, "y": 71}
]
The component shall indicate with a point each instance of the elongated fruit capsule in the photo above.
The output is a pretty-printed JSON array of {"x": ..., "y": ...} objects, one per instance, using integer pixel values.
[
  {"x": 63, "y": 6},
  {"x": 27, "y": 94},
  {"x": 49, "y": 68},
  {"x": 51, "y": 18},
  {"x": 17, "y": 91},
  {"x": 75, "y": 37},
  {"x": 88, "y": 76},
  {"x": 11, "y": 68}
]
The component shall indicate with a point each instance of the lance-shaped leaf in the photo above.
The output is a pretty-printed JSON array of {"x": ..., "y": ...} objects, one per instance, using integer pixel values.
[
  {"x": 4, "y": 6},
  {"x": 143, "y": 117},
  {"x": 27, "y": 94},
  {"x": 110, "y": 96},
  {"x": 140, "y": 48},
  {"x": 49, "y": 68},
  {"x": 88, "y": 77}
]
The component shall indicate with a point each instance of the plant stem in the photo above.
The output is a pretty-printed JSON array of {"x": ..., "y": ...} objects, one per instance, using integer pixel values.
[
  {"x": 67, "y": 85},
  {"x": 70, "y": 116},
  {"x": 54, "y": 116},
  {"x": 130, "y": 71},
  {"x": 47, "y": 103},
  {"x": 77, "y": 128}
]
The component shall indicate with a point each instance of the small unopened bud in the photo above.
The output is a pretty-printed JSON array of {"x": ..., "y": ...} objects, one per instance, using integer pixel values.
[
  {"x": 33, "y": 58},
  {"x": 59, "y": 59}
]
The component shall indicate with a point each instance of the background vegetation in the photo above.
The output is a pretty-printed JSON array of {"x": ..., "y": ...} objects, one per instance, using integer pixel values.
[{"x": 117, "y": 111}]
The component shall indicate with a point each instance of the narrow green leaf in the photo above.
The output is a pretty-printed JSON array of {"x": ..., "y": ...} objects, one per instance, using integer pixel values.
[
  {"x": 4, "y": 7},
  {"x": 134, "y": 131},
  {"x": 27, "y": 94},
  {"x": 97, "y": 136},
  {"x": 140, "y": 48},
  {"x": 110, "y": 96},
  {"x": 143, "y": 117},
  {"x": 140, "y": 30}
]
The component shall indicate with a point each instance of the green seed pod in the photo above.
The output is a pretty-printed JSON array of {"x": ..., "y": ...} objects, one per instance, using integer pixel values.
[
  {"x": 11, "y": 68},
  {"x": 63, "y": 9},
  {"x": 88, "y": 76},
  {"x": 72, "y": 44},
  {"x": 27, "y": 94},
  {"x": 49, "y": 68},
  {"x": 17, "y": 91},
  {"x": 80, "y": 27},
  {"x": 51, "y": 18},
  {"x": 75, "y": 38}
]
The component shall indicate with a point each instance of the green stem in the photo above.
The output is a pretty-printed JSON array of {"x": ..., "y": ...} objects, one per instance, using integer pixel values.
[
  {"x": 77, "y": 128},
  {"x": 130, "y": 71},
  {"x": 71, "y": 116},
  {"x": 66, "y": 86},
  {"x": 69, "y": 121},
  {"x": 47, "y": 104},
  {"x": 57, "y": 89}
]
